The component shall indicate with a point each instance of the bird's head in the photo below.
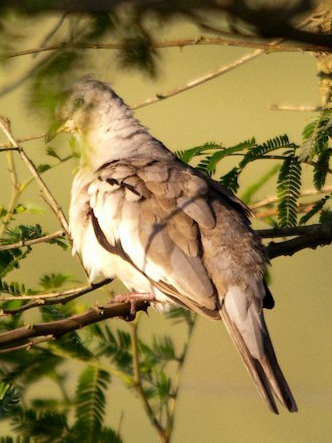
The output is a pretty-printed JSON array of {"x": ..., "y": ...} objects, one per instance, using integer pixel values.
[{"x": 86, "y": 106}]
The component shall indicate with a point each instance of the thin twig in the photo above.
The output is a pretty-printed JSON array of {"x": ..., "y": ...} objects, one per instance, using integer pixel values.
[
  {"x": 174, "y": 399},
  {"x": 23, "y": 243},
  {"x": 28, "y": 345},
  {"x": 32, "y": 168},
  {"x": 46, "y": 192},
  {"x": 269, "y": 200},
  {"x": 180, "y": 43},
  {"x": 198, "y": 81},
  {"x": 302, "y": 208},
  {"x": 60, "y": 300},
  {"x": 80, "y": 291},
  {"x": 19, "y": 141},
  {"x": 295, "y": 108},
  {"x": 138, "y": 385}
]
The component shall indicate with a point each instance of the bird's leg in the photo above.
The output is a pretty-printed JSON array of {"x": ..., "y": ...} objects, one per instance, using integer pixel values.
[{"x": 133, "y": 298}]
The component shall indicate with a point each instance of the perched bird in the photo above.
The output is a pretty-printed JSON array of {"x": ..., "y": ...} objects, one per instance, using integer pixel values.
[{"x": 165, "y": 229}]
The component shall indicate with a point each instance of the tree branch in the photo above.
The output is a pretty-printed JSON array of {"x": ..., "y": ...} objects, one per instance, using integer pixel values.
[
  {"x": 200, "y": 80},
  {"x": 23, "y": 243},
  {"x": 267, "y": 21},
  {"x": 138, "y": 385},
  {"x": 59, "y": 298},
  {"x": 295, "y": 108},
  {"x": 60, "y": 327},
  {"x": 287, "y": 232},
  {"x": 316, "y": 235},
  {"x": 273, "y": 199},
  {"x": 44, "y": 189},
  {"x": 180, "y": 43}
]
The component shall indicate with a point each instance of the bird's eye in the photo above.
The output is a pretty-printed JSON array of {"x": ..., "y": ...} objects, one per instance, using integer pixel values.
[{"x": 78, "y": 103}]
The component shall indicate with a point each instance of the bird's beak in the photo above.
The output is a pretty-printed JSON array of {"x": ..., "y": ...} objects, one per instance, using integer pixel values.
[{"x": 57, "y": 126}]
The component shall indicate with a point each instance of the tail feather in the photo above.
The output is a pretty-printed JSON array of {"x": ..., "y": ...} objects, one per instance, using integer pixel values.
[{"x": 263, "y": 367}]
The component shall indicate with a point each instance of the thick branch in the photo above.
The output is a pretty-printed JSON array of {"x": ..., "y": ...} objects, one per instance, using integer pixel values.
[
  {"x": 60, "y": 327},
  {"x": 287, "y": 232},
  {"x": 317, "y": 235}
]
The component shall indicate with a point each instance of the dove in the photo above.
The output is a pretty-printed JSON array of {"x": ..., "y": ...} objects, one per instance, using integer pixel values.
[{"x": 170, "y": 233}]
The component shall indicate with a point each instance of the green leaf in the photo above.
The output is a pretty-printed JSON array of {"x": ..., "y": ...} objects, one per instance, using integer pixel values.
[
  {"x": 187, "y": 155},
  {"x": 58, "y": 241},
  {"x": 224, "y": 152},
  {"x": 256, "y": 186},
  {"x": 50, "y": 151},
  {"x": 8, "y": 399},
  {"x": 70, "y": 343},
  {"x": 315, "y": 135},
  {"x": 163, "y": 385},
  {"x": 138, "y": 51},
  {"x": 43, "y": 167},
  {"x": 321, "y": 168},
  {"x": 230, "y": 180},
  {"x": 43, "y": 427},
  {"x": 108, "y": 435},
  {"x": 258, "y": 151},
  {"x": 326, "y": 217},
  {"x": 54, "y": 281},
  {"x": 289, "y": 185},
  {"x": 317, "y": 207},
  {"x": 180, "y": 315},
  {"x": 118, "y": 347},
  {"x": 91, "y": 401}
]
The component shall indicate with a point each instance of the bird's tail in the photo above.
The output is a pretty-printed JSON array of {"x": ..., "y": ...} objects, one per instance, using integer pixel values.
[{"x": 246, "y": 326}]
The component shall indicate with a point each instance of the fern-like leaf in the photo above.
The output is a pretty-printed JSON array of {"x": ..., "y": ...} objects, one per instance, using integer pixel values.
[
  {"x": 187, "y": 155},
  {"x": 8, "y": 399},
  {"x": 230, "y": 180},
  {"x": 289, "y": 184},
  {"x": 43, "y": 427},
  {"x": 317, "y": 207},
  {"x": 321, "y": 168},
  {"x": 222, "y": 153},
  {"x": 315, "y": 135},
  {"x": 279, "y": 142},
  {"x": 90, "y": 400}
]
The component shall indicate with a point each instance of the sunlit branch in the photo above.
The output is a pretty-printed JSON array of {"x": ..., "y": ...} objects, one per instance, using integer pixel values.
[
  {"x": 60, "y": 327},
  {"x": 44, "y": 189},
  {"x": 295, "y": 108},
  {"x": 198, "y": 81},
  {"x": 273, "y": 199},
  {"x": 23, "y": 243},
  {"x": 59, "y": 298}
]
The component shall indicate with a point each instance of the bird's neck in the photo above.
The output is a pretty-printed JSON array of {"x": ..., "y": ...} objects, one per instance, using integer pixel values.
[{"x": 118, "y": 139}]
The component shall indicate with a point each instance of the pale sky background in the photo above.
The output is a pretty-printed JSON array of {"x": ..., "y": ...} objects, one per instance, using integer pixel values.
[{"x": 218, "y": 401}]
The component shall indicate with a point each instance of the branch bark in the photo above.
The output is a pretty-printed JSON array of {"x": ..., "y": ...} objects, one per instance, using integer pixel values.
[
  {"x": 58, "y": 328},
  {"x": 42, "y": 239},
  {"x": 312, "y": 237}
]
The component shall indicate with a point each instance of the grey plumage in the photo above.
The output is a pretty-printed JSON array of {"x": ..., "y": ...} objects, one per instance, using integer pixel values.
[{"x": 162, "y": 227}]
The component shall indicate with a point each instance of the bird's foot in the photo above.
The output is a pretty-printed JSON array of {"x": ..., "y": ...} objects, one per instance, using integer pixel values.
[{"x": 134, "y": 298}]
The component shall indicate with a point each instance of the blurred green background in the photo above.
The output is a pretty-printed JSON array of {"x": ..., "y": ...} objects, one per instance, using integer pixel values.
[{"x": 218, "y": 401}]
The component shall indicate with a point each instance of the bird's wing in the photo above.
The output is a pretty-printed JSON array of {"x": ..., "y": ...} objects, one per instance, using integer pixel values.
[
  {"x": 150, "y": 213},
  {"x": 194, "y": 246}
]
